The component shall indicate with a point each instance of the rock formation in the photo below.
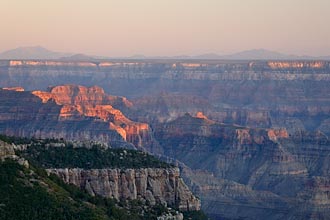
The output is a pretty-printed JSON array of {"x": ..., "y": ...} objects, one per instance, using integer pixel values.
[
  {"x": 250, "y": 169},
  {"x": 70, "y": 112},
  {"x": 150, "y": 184},
  {"x": 7, "y": 151},
  {"x": 80, "y": 101},
  {"x": 257, "y": 94}
]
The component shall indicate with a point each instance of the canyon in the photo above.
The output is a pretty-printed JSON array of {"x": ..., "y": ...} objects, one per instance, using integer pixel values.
[
  {"x": 250, "y": 137},
  {"x": 291, "y": 94}
]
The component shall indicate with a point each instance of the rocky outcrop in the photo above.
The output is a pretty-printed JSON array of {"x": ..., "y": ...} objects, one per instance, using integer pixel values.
[
  {"x": 80, "y": 101},
  {"x": 178, "y": 216},
  {"x": 278, "y": 65},
  {"x": 154, "y": 185},
  {"x": 274, "y": 134},
  {"x": 17, "y": 89},
  {"x": 70, "y": 112},
  {"x": 7, "y": 151}
]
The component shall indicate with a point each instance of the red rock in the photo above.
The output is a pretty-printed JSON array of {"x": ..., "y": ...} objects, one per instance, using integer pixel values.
[
  {"x": 274, "y": 134},
  {"x": 17, "y": 89},
  {"x": 78, "y": 101}
]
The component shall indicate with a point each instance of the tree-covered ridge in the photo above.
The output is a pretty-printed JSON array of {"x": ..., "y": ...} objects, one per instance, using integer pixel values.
[
  {"x": 41, "y": 154},
  {"x": 17, "y": 140},
  {"x": 58, "y": 153},
  {"x": 24, "y": 197},
  {"x": 29, "y": 193}
]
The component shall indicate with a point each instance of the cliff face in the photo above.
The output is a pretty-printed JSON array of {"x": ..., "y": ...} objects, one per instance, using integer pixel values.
[
  {"x": 225, "y": 199},
  {"x": 151, "y": 184},
  {"x": 6, "y": 150},
  {"x": 157, "y": 186},
  {"x": 70, "y": 112},
  {"x": 299, "y": 105},
  {"x": 249, "y": 168},
  {"x": 80, "y": 101}
]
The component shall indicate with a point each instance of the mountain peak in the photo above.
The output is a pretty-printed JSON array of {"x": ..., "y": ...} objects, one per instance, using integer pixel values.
[
  {"x": 42, "y": 53},
  {"x": 34, "y": 52},
  {"x": 31, "y": 49},
  {"x": 77, "y": 57},
  {"x": 259, "y": 54}
]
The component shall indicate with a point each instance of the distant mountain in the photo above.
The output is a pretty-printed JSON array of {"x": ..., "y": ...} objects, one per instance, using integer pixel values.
[
  {"x": 78, "y": 57},
  {"x": 137, "y": 57},
  {"x": 258, "y": 54},
  {"x": 208, "y": 56},
  {"x": 32, "y": 53},
  {"x": 255, "y": 54}
]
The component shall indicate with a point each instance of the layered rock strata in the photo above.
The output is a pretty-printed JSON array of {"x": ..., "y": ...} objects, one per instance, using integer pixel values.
[
  {"x": 80, "y": 101},
  {"x": 70, "y": 112},
  {"x": 154, "y": 185},
  {"x": 291, "y": 94},
  {"x": 263, "y": 173}
]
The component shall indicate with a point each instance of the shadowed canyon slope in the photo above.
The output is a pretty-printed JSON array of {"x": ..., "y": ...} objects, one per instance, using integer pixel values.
[{"x": 250, "y": 172}]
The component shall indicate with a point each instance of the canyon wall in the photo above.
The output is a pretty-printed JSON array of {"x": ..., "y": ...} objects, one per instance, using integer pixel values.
[
  {"x": 251, "y": 173},
  {"x": 293, "y": 94},
  {"x": 115, "y": 75},
  {"x": 80, "y": 101},
  {"x": 70, "y": 112},
  {"x": 155, "y": 185}
]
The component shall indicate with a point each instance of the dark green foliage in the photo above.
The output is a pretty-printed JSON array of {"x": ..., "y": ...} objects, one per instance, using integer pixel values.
[
  {"x": 30, "y": 194},
  {"x": 42, "y": 152},
  {"x": 94, "y": 158},
  {"x": 25, "y": 195},
  {"x": 15, "y": 140}
]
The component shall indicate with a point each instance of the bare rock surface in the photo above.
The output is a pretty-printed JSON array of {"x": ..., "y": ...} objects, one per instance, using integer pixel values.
[{"x": 154, "y": 185}]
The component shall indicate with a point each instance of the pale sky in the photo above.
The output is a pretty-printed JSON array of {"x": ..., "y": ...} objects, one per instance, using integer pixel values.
[{"x": 166, "y": 27}]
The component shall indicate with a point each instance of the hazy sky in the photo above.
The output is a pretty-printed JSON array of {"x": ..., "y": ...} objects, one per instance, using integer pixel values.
[{"x": 166, "y": 27}]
